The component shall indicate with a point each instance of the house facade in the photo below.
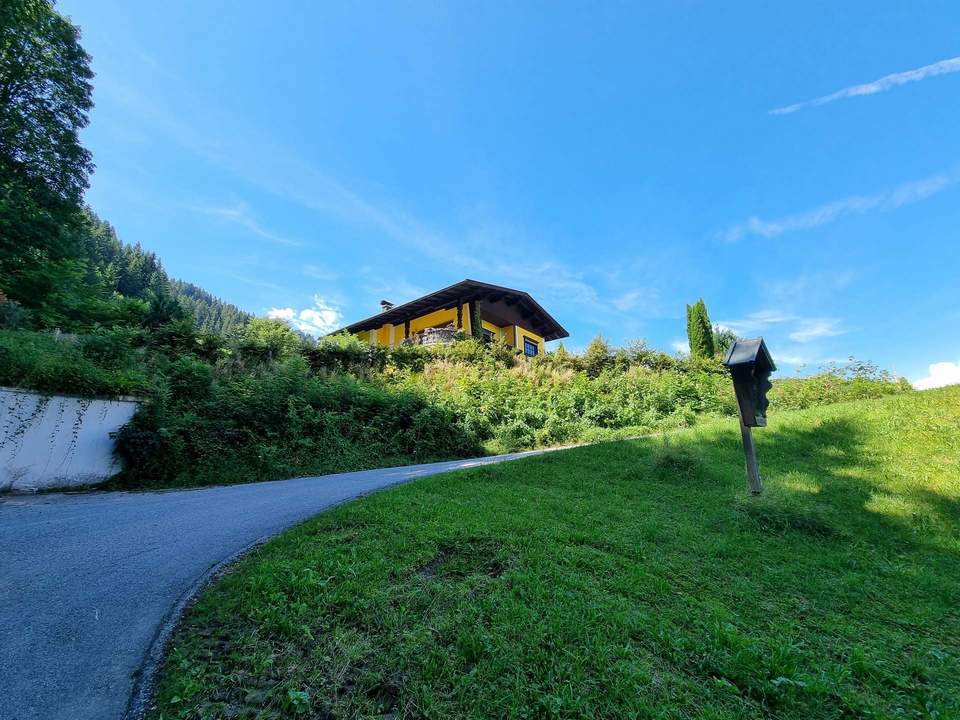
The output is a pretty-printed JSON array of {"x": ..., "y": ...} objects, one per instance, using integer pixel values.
[{"x": 510, "y": 315}]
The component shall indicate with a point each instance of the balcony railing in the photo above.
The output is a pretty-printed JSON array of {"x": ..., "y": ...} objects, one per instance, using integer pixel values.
[{"x": 433, "y": 336}]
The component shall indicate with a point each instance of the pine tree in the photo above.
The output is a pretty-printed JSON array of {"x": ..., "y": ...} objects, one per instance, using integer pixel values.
[{"x": 700, "y": 331}]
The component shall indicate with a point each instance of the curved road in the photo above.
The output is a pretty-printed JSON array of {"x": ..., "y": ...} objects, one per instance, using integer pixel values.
[{"x": 87, "y": 580}]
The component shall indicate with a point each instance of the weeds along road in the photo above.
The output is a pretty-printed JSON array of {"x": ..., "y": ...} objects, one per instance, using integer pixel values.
[{"x": 91, "y": 583}]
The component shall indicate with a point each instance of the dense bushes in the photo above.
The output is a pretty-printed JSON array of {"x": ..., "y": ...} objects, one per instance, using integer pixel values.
[
  {"x": 97, "y": 364},
  {"x": 280, "y": 420},
  {"x": 543, "y": 402},
  {"x": 835, "y": 383},
  {"x": 267, "y": 403}
]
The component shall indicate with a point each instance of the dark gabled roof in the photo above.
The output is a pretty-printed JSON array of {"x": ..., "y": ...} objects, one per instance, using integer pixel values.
[
  {"x": 749, "y": 352},
  {"x": 513, "y": 307}
]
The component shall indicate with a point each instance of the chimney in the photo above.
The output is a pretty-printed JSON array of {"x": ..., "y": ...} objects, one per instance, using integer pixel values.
[{"x": 385, "y": 305}]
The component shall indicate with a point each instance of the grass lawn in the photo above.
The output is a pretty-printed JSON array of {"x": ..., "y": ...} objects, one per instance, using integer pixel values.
[{"x": 625, "y": 580}]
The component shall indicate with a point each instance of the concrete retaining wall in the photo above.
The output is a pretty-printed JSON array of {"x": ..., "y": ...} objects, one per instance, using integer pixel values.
[{"x": 57, "y": 441}]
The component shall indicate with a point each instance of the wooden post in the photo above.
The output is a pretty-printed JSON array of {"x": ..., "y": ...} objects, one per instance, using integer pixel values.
[
  {"x": 750, "y": 452},
  {"x": 406, "y": 329},
  {"x": 460, "y": 315}
]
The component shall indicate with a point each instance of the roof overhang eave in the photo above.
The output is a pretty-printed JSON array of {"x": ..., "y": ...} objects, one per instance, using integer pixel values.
[{"x": 464, "y": 291}]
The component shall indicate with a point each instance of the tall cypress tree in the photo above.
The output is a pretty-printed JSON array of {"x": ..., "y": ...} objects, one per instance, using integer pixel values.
[
  {"x": 710, "y": 346},
  {"x": 476, "y": 321},
  {"x": 700, "y": 331}
]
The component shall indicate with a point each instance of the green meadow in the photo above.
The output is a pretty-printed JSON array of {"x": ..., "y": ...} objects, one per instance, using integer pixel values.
[{"x": 632, "y": 579}]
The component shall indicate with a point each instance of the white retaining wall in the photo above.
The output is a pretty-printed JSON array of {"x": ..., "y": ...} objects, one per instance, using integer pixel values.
[{"x": 57, "y": 441}]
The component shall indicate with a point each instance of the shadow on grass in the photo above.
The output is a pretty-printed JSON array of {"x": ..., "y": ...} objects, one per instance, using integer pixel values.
[
  {"x": 846, "y": 567},
  {"x": 827, "y": 481}
]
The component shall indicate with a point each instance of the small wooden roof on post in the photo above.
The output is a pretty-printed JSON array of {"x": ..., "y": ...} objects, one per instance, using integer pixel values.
[{"x": 753, "y": 353}]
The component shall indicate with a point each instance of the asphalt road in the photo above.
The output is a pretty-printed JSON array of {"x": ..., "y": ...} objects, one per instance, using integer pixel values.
[{"x": 88, "y": 581}]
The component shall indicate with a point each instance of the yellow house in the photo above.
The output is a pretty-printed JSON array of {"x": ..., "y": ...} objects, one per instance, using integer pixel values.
[{"x": 511, "y": 315}]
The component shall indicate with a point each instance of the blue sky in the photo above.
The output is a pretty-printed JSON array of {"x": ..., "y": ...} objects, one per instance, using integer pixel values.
[{"x": 796, "y": 166}]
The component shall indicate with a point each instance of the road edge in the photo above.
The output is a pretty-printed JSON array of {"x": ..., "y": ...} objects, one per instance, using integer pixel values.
[{"x": 146, "y": 674}]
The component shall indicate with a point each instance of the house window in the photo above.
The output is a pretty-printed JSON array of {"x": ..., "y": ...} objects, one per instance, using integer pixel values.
[
  {"x": 530, "y": 348},
  {"x": 488, "y": 336}
]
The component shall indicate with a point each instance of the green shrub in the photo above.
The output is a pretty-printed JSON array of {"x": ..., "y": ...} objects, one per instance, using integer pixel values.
[
  {"x": 469, "y": 350},
  {"x": 190, "y": 380},
  {"x": 113, "y": 348},
  {"x": 346, "y": 353},
  {"x": 836, "y": 383},
  {"x": 266, "y": 340},
  {"x": 12, "y": 314},
  {"x": 281, "y": 420},
  {"x": 50, "y": 362},
  {"x": 597, "y": 358}
]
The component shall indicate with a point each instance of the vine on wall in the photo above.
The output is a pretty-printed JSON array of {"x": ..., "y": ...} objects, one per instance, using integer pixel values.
[
  {"x": 17, "y": 422},
  {"x": 82, "y": 406}
]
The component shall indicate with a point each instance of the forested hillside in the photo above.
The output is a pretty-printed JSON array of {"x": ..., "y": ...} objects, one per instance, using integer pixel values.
[
  {"x": 102, "y": 281},
  {"x": 210, "y": 312}
]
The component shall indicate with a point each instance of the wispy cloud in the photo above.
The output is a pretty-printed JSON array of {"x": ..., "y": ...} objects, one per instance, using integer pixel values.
[
  {"x": 885, "y": 83},
  {"x": 815, "y": 328},
  {"x": 386, "y": 286},
  {"x": 799, "y": 329},
  {"x": 254, "y": 282},
  {"x": 241, "y": 215},
  {"x": 905, "y": 194},
  {"x": 755, "y": 322},
  {"x": 318, "y": 319},
  {"x": 818, "y": 287},
  {"x": 645, "y": 300},
  {"x": 319, "y": 272},
  {"x": 791, "y": 359}
]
